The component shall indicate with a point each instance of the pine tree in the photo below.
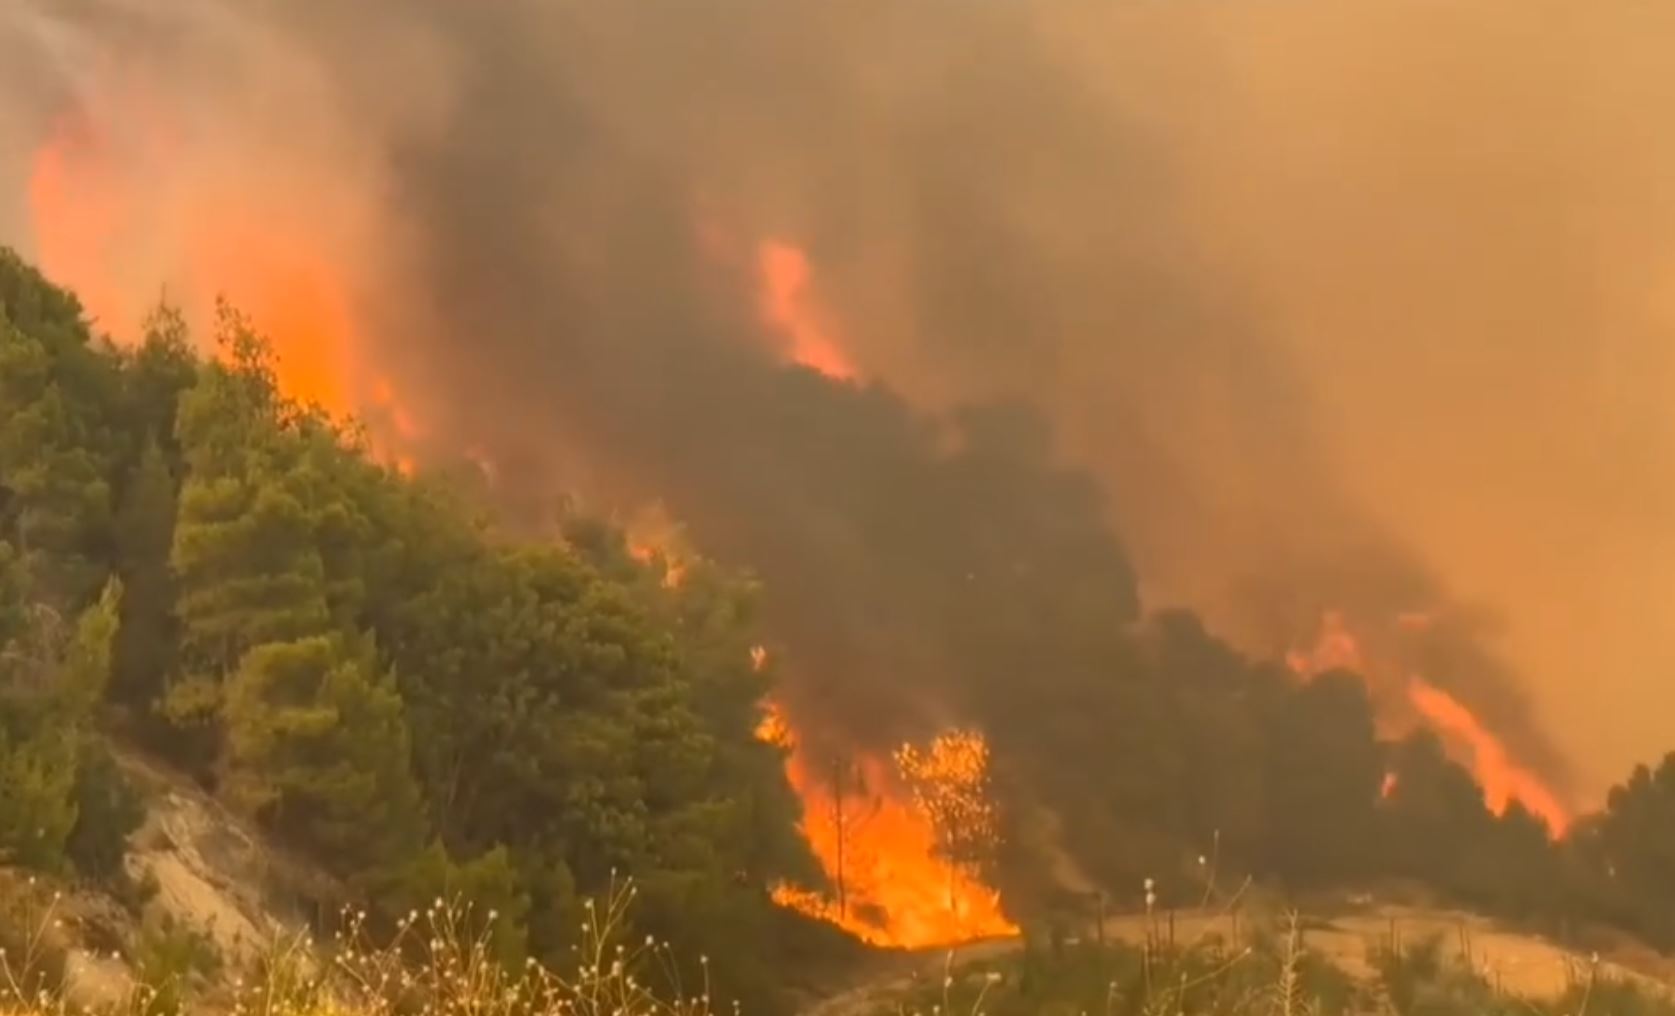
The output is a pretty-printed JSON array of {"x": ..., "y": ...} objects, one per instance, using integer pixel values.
[
  {"x": 144, "y": 535},
  {"x": 318, "y": 748},
  {"x": 37, "y": 759},
  {"x": 56, "y": 511},
  {"x": 51, "y": 679},
  {"x": 246, "y": 565}
]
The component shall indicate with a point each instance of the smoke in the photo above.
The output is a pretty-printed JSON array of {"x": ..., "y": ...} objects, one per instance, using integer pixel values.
[{"x": 1363, "y": 311}]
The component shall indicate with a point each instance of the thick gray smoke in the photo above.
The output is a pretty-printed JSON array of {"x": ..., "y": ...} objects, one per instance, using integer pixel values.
[{"x": 1359, "y": 311}]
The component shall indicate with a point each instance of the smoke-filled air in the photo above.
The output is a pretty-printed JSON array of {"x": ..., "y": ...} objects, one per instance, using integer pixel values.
[{"x": 1009, "y": 345}]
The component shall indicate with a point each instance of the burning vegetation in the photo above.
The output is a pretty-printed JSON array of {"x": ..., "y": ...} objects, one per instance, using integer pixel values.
[
  {"x": 928, "y": 421},
  {"x": 1409, "y": 701},
  {"x": 903, "y": 842}
]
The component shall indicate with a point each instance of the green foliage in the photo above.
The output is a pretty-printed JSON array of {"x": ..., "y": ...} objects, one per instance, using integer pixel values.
[
  {"x": 107, "y": 809},
  {"x": 167, "y": 960},
  {"x": 317, "y": 747},
  {"x": 56, "y": 449},
  {"x": 50, "y": 680},
  {"x": 1324, "y": 772},
  {"x": 1632, "y": 845},
  {"x": 354, "y": 659},
  {"x": 144, "y": 533},
  {"x": 487, "y": 896},
  {"x": 37, "y": 800}
]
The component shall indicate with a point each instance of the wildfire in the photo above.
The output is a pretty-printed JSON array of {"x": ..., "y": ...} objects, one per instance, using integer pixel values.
[
  {"x": 1472, "y": 743},
  {"x": 789, "y": 307},
  {"x": 1335, "y": 649},
  {"x": 121, "y": 213},
  {"x": 1503, "y": 780},
  {"x": 656, "y": 541},
  {"x": 897, "y": 842}
]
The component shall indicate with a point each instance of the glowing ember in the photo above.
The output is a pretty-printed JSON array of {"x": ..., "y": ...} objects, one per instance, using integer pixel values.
[
  {"x": 788, "y": 307},
  {"x": 897, "y": 878},
  {"x": 1503, "y": 781},
  {"x": 1388, "y": 787}
]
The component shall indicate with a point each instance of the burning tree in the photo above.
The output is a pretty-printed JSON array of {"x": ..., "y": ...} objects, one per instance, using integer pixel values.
[{"x": 950, "y": 781}]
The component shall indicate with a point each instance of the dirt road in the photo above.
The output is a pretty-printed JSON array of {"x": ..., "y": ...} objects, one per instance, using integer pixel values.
[{"x": 1518, "y": 963}]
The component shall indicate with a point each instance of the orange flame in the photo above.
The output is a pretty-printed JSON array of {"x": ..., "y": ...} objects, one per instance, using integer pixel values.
[
  {"x": 1503, "y": 780},
  {"x": 75, "y": 213},
  {"x": 1335, "y": 649},
  {"x": 880, "y": 850},
  {"x": 1491, "y": 764},
  {"x": 655, "y": 541},
  {"x": 103, "y": 221},
  {"x": 788, "y": 306}
]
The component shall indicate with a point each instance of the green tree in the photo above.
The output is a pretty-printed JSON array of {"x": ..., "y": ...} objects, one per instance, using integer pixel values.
[
  {"x": 51, "y": 679},
  {"x": 244, "y": 556},
  {"x": 1635, "y": 848},
  {"x": 1324, "y": 767},
  {"x": 155, "y": 375},
  {"x": 57, "y": 505},
  {"x": 317, "y": 747},
  {"x": 107, "y": 808},
  {"x": 144, "y": 535},
  {"x": 487, "y": 895},
  {"x": 1435, "y": 814}
]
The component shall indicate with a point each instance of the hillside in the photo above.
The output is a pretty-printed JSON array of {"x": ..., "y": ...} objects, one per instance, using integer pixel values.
[
  {"x": 357, "y": 664},
  {"x": 411, "y": 691},
  {"x": 220, "y": 902}
]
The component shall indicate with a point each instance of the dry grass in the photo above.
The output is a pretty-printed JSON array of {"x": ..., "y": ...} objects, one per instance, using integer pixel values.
[
  {"x": 443, "y": 961},
  {"x": 439, "y": 962}
]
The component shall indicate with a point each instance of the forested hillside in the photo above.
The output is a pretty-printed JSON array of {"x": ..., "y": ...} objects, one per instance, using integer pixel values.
[
  {"x": 355, "y": 660},
  {"x": 380, "y": 677}
]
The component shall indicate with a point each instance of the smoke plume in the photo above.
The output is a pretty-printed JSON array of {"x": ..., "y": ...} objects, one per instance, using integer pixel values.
[{"x": 1316, "y": 310}]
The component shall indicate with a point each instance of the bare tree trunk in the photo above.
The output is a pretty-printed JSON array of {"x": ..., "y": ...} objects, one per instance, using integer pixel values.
[{"x": 837, "y": 805}]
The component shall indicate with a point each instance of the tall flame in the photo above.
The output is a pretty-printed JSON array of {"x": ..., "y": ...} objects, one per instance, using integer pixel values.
[
  {"x": 1502, "y": 779},
  {"x": 787, "y": 304},
  {"x": 879, "y": 846},
  {"x": 1465, "y": 735},
  {"x": 106, "y": 224}
]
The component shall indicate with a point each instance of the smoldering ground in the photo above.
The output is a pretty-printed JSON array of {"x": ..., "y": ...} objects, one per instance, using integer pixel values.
[{"x": 1363, "y": 310}]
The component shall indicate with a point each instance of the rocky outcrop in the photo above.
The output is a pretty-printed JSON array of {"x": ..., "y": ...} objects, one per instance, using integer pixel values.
[{"x": 194, "y": 869}]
